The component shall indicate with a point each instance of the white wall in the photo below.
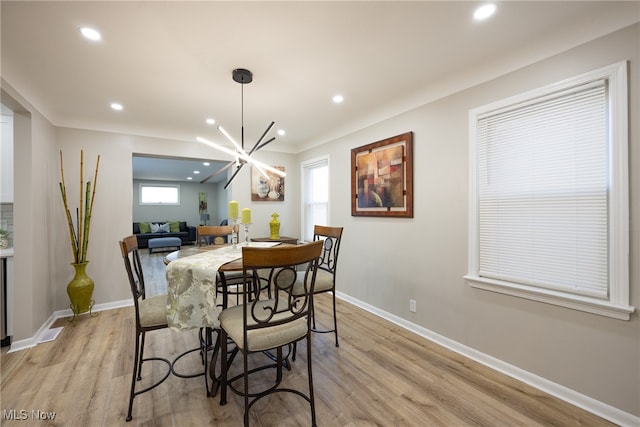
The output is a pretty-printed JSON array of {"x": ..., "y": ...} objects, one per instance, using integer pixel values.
[{"x": 385, "y": 262}]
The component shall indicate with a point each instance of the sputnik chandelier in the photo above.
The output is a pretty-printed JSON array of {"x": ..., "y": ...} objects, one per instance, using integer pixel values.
[{"x": 242, "y": 157}]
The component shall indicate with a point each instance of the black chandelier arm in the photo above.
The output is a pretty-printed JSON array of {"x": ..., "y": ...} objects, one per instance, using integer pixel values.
[
  {"x": 255, "y": 148},
  {"x": 257, "y": 145},
  {"x": 218, "y": 172},
  {"x": 266, "y": 142},
  {"x": 234, "y": 175}
]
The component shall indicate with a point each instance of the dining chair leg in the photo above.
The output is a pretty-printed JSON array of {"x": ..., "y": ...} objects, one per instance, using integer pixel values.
[
  {"x": 205, "y": 344},
  {"x": 246, "y": 388},
  {"x": 142, "y": 335},
  {"x": 312, "y": 314},
  {"x": 335, "y": 318},
  {"x": 134, "y": 374},
  {"x": 202, "y": 336},
  {"x": 310, "y": 375},
  {"x": 222, "y": 336},
  {"x": 216, "y": 353},
  {"x": 278, "y": 365}
]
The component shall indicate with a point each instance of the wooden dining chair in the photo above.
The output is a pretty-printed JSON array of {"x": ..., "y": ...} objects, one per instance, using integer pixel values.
[
  {"x": 261, "y": 323},
  {"x": 213, "y": 234},
  {"x": 327, "y": 268},
  {"x": 150, "y": 313}
]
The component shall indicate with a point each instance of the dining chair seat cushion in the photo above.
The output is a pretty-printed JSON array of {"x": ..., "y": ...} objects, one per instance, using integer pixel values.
[
  {"x": 153, "y": 311},
  {"x": 263, "y": 338},
  {"x": 324, "y": 282}
]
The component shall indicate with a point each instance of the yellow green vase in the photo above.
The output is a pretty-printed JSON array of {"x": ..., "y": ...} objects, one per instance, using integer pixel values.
[
  {"x": 80, "y": 290},
  {"x": 274, "y": 227}
]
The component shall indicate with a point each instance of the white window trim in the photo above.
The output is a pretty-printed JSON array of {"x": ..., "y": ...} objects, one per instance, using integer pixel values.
[
  {"x": 303, "y": 184},
  {"x": 617, "y": 306},
  {"x": 177, "y": 186}
]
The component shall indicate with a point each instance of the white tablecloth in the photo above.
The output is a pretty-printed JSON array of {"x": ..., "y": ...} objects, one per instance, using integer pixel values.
[{"x": 191, "y": 288}]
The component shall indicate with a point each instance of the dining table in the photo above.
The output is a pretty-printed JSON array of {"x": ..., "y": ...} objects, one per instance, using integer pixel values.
[
  {"x": 192, "y": 275},
  {"x": 192, "y": 293}
]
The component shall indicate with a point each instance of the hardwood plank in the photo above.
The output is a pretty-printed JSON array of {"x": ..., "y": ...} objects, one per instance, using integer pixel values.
[{"x": 381, "y": 375}]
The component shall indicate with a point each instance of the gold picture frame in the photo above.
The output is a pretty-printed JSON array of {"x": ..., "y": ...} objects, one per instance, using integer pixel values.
[{"x": 382, "y": 178}]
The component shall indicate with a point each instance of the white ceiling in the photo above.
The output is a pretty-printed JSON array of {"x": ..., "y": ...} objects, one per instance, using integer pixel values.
[
  {"x": 170, "y": 63},
  {"x": 172, "y": 169}
]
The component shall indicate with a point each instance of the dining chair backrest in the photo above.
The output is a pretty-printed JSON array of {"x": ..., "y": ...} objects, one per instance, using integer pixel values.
[
  {"x": 331, "y": 238},
  {"x": 286, "y": 264},
  {"x": 216, "y": 233},
  {"x": 133, "y": 266},
  {"x": 331, "y": 247}
]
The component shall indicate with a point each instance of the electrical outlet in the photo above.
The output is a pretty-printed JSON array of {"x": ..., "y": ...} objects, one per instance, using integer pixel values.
[{"x": 412, "y": 305}]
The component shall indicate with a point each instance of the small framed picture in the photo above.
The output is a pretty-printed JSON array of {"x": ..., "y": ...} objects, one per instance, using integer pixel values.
[{"x": 269, "y": 188}]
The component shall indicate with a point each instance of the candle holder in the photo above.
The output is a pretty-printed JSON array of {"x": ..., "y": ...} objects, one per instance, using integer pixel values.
[
  {"x": 234, "y": 233},
  {"x": 246, "y": 233}
]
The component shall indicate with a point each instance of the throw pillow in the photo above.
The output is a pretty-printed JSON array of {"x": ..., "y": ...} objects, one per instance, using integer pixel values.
[
  {"x": 145, "y": 227},
  {"x": 164, "y": 228},
  {"x": 174, "y": 226},
  {"x": 155, "y": 227}
]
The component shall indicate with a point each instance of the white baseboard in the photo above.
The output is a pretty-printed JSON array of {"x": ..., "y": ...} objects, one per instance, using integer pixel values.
[
  {"x": 33, "y": 341},
  {"x": 580, "y": 400}
]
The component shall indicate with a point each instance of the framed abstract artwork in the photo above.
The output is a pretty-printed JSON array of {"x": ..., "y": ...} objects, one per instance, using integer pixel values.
[
  {"x": 269, "y": 188},
  {"x": 382, "y": 178}
]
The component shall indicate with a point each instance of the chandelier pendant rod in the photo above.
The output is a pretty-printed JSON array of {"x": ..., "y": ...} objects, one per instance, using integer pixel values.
[{"x": 242, "y": 112}]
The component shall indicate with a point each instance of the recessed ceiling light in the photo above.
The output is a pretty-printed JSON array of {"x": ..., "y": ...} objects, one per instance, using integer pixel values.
[
  {"x": 189, "y": 178},
  {"x": 196, "y": 172},
  {"x": 206, "y": 163},
  {"x": 116, "y": 106},
  {"x": 484, "y": 11},
  {"x": 338, "y": 99},
  {"x": 211, "y": 121},
  {"x": 90, "y": 33},
  {"x": 281, "y": 132}
]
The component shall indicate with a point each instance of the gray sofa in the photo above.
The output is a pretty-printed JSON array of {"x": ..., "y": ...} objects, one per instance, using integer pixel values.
[{"x": 186, "y": 233}]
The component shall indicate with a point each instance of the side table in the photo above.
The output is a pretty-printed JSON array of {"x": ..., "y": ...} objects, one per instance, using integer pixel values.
[{"x": 282, "y": 239}]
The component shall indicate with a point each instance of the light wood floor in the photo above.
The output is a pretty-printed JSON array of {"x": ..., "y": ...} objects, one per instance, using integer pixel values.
[{"x": 381, "y": 375}]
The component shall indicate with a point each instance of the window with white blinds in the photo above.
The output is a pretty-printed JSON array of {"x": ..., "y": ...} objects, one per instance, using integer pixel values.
[
  {"x": 544, "y": 169},
  {"x": 315, "y": 195}
]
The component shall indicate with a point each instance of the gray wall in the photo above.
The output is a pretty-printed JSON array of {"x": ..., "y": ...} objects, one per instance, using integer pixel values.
[
  {"x": 35, "y": 191},
  {"x": 386, "y": 262}
]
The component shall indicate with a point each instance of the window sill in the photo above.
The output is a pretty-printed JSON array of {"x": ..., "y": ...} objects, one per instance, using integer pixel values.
[{"x": 575, "y": 302}]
